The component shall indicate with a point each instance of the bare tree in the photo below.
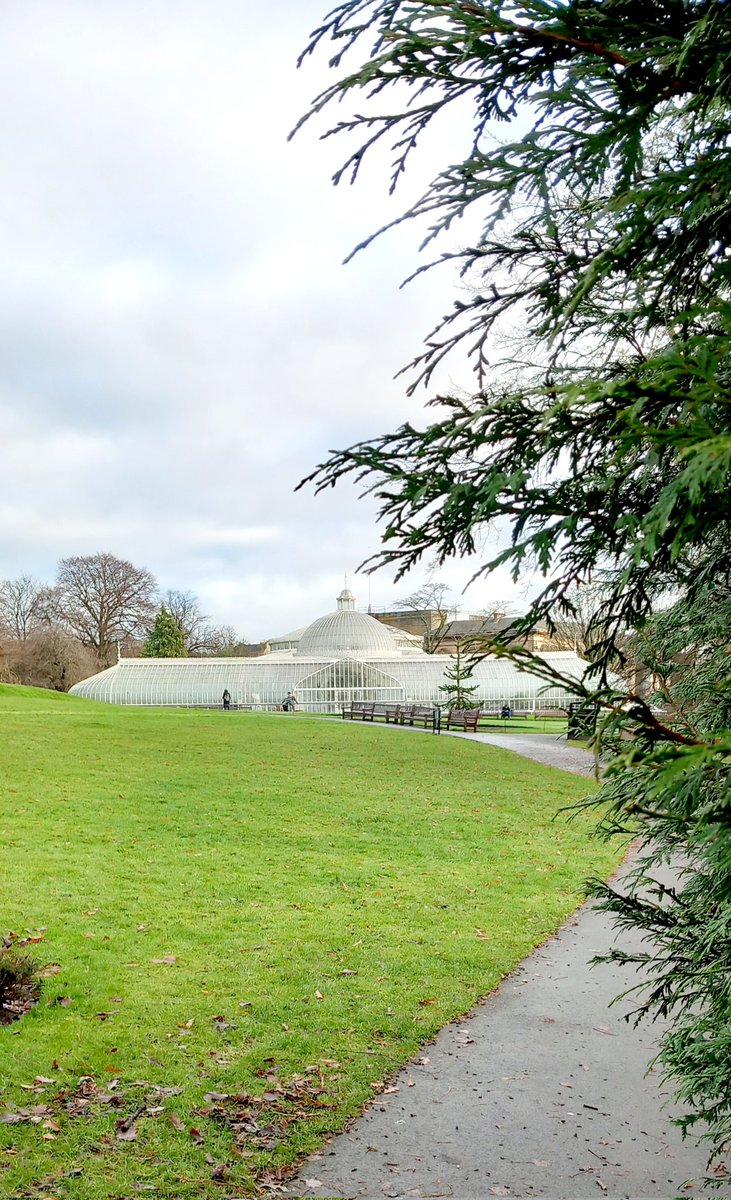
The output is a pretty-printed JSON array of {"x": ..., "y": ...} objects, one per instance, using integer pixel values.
[
  {"x": 573, "y": 626},
  {"x": 103, "y": 600},
  {"x": 21, "y": 607},
  {"x": 223, "y": 642},
  {"x": 430, "y": 609},
  {"x": 184, "y": 607},
  {"x": 50, "y": 657},
  {"x": 7, "y": 670},
  {"x": 57, "y": 660}
]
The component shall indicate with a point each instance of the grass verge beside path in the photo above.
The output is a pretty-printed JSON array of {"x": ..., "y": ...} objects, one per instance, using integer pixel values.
[
  {"x": 279, "y": 909},
  {"x": 557, "y": 725}
]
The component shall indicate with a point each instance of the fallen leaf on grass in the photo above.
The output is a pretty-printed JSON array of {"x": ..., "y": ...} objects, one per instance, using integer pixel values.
[
  {"x": 195, "y": 1135},
  {"x": 169, "y": 959},
  {"x": 158, "y": 1089},
  {"x": 38, "y": 1086},
  {"x": 319, "y": 996},
  {"x": 429, "y": 1000},
  {"x": 125, "y": 1132},
  {"x": 49, "y": 970},
  {"x": 176, "y": 1122}
]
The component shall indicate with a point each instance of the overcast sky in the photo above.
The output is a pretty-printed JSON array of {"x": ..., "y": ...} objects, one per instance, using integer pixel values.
[{"x": 180, "y": 340}]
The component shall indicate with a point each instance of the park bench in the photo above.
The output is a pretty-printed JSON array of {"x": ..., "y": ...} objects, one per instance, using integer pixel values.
[
  {"x": 363, "y": 709},
  {"x": 388, "y": 712},
  {"x": 418, "y": 714},
  {"x": 462, "y": 718}
]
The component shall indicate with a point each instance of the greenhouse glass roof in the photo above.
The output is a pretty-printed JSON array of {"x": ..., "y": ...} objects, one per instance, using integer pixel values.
[
  {"x": 320, "y": 684},
  {"x": 343, "y": 656},
  {"x": 345, "y": 633}
]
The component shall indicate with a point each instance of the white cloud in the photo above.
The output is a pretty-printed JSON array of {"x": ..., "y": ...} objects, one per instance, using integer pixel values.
[{"x": 179, "y": 341}]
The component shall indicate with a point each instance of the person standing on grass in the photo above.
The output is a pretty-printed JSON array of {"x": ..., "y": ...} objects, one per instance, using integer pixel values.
[{"x": 226, "y": 699}]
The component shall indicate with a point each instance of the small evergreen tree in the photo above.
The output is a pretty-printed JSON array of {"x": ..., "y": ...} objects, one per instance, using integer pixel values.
[
  {"x": 165, "y": 639},
  {"x": 459, "y": 691}
]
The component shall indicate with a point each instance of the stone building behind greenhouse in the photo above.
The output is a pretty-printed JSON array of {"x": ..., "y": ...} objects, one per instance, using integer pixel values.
[{"x": 343, "y": 656}]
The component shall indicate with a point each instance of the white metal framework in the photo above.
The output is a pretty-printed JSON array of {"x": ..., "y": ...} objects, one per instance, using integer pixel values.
[
  {"x": 319, "y": 686},
  {"x": 341, "y": 657}
]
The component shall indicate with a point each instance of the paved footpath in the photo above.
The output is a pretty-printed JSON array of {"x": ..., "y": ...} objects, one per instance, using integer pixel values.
[
  {"x": 547, "y": 748},
  {"x": 542, "y": 1090}
]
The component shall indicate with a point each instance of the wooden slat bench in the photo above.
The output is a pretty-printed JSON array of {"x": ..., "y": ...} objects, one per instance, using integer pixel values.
[
  {"x": 462, "y": 718},
  {"x": 363, "y": 709},
  {"x": 388, "y": 712},
  {"x": 418, "y": 714}
]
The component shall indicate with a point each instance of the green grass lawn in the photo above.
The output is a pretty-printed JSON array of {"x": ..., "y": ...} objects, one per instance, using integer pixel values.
[
  {"x": 525, "y": 724},
  {"x": 275, "y": 908}
]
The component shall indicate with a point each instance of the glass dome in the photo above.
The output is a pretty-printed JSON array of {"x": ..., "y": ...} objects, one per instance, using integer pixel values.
[{"x": 346, "y": 632}]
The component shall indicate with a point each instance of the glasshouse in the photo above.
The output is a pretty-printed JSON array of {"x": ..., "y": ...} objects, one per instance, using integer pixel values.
[{"x": 346, "y": 655}]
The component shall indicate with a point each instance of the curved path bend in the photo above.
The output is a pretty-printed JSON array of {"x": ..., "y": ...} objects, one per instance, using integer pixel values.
[{"x": 542, "y": 1090}]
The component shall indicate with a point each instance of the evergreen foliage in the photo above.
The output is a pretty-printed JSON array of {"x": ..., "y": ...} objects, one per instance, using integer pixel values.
[
  {"x": 165, "y": 639},
  {"x": 606, "y": 234},
  {"x": 459, "y": 691}
]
